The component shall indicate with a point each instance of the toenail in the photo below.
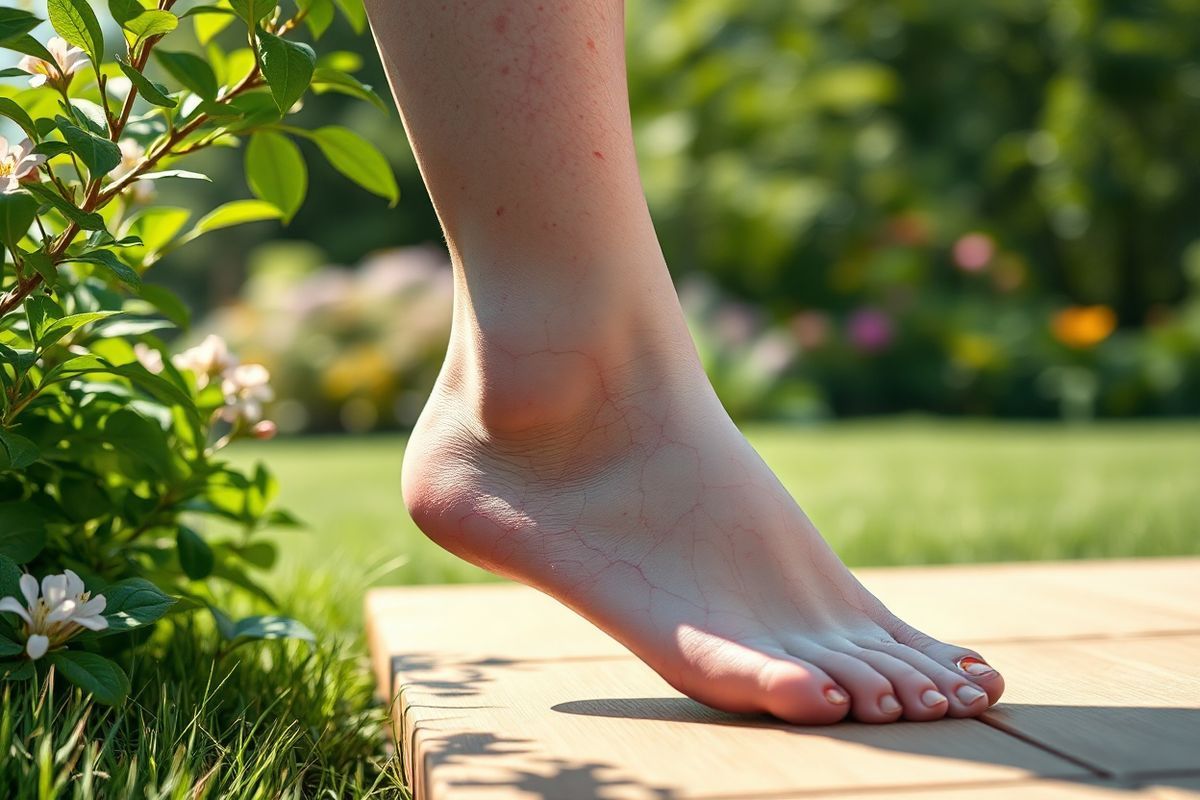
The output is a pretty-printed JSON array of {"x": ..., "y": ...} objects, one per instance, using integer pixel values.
[
  {"x": 888, "y": 704},
  {"x": 836, "y": 696},
  {"x": 933, "y": 698},
  {"x": 968, "y": 694},
  {"x": 973, "y": 666}
]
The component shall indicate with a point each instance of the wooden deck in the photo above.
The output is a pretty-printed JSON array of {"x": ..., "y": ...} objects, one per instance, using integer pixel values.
[{"x": 502, "y": 693}]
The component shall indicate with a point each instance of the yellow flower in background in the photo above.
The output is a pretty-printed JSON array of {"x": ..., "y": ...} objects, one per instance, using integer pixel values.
[{"x": 1083, "y": 326}]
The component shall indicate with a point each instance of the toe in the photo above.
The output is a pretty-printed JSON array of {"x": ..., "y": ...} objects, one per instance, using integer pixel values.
[
  {"x": 920, "y": 697},
  {"x": 872, "y": 696},
  {"x": 966, "y": 697},
  {"x": 966, "y": 663},
  {"x": 737, "y": 678}
]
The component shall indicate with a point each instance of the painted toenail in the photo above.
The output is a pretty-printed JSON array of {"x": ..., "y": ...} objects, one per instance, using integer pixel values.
[
  {"x": 888, "y": 704},
  {"x": 933, "y": 698},
  {"x": 973, "y": 666},
  {"x": 968, "y": 694},
  {"x": 836, "y": 696}
]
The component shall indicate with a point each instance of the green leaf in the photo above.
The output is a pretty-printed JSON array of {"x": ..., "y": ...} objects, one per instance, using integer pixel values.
[
  {"x": 355, "y": 13},
  {"x": 133, "y": 603},
  {"x": 16, "y": 452},
  {"x": 270, "y": 627},
  {"x": 17, "y": 211},
  {"x": 174, "y": 173},
  {"x": 195, "y": 556},
  {"x": 190, "y": 70},
  {"x": 168, "y": 304},
  {"x": 110, "y": 262},
  {"x": 235, "y": 212},
  {"x": 10, "y": 578},
  {"x": 10, "y": 109},
  {"x": 29, "y": 46},
  {"x": 327, "y": 79},
  {"x": 135, "y": 436},
  {"x": 76, "y": 22},
  {"x": 89, "y": 222},
  {"x": 14, "y": 22},
  {"x": 8, "y": 647},
  {"x": 22, "y": 531},
  {"x": 152, "y": 23},
  {"x": 357, "y": 159},
  {"x": 73, "y": 322},
  {"x": 21, "y": 670},
  {"x": 275, "y": 171},
  {"x": 41, "y": 312},
  {"x": 124, "y": 10},
  {"x": 39, "y": 261},
  {"x": 95, "y": 674},
  {"x": 251, "y": 11},
  {"x": 318, "y": 16},
  {"x": 50, "y": 148},
  {"x": 287, "y": 66},
  {"x": 152, "y": 92},
  {"x": 99, "y": 154},
  {"x": 208, "y": 25}
]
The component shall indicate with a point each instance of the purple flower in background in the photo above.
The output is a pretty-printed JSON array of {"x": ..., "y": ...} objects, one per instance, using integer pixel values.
[
  {"x": 870, "y": 330},
  {"x": 973, "y": 252}
]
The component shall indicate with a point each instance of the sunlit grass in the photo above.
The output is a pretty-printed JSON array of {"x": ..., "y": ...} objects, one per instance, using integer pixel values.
[{"x": 883, "y": 492}]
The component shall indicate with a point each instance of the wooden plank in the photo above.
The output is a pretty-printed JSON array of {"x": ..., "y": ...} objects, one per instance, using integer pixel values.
[
  {"x": 614, "y": 729},
  {"x": 1035, "y": 791},
  {"x": 1181, "y": 788},
  {"x": 1054, "y": 600},
  {"x": 969, "y": 605},
  {"x": 1127, "y": 707}
]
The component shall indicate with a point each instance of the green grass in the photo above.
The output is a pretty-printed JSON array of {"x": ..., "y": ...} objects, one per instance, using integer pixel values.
[
  {"x": 884, "y": 493},
  {"x": 285, "y": 721}
]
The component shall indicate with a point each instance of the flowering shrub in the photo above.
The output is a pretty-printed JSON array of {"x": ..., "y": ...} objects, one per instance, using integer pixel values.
[{"x": 110, "y": 468}]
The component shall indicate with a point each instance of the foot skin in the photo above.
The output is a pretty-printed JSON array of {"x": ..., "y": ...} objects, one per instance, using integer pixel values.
[{"x": 649, "y": 513}]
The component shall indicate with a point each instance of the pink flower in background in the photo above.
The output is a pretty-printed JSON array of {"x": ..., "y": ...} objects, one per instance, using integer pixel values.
[
  {"x": 207, "y": 360},
  {"x": 811, "y": 329},
  {"x": 246, "y": 389},
  {"x": 148, "y": 357},
  {"x": 973, "y": 252},
  {"x": 870, "y": 330},
  {"x": 67, "y": 61}
]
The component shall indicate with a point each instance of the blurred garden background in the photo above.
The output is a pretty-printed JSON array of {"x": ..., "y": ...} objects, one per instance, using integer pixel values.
[{"x": 880, "y": 216}]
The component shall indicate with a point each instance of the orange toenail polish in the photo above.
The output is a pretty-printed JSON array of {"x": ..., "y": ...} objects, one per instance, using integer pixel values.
[
  {"x": 973, "y": 666},
  {"x": 836, "y": 696},
  {"x": 889, "y": 704},
  {"x": 932, "y": 698},
  {"x": 968, "y": 694}
]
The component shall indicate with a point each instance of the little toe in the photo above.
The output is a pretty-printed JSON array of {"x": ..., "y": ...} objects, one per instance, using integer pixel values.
[
  {"x": 968, "y": 664},
  {"x": 920, "y": 697},
  {"x": 873, "y": 698},
  {"x": 966, "y": 698}
]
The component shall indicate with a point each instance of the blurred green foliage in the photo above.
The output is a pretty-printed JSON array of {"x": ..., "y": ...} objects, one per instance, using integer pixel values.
[{"x": 984, "y": 207}]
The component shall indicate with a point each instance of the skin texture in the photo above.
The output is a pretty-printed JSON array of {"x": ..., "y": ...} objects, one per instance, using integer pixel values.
[{"x": 573, "y": 441}]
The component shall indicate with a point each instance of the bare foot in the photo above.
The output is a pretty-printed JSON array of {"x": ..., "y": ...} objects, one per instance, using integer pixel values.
[{"x": 641, "y": 506}]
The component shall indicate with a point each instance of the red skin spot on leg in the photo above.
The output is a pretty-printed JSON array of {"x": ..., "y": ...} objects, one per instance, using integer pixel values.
[
  {"x": 500, "y": 24},
  {"x": 499, "y": 211},
  {"x": 591, "y": 43},
  {"x": 504, "y": 70},
  {"x": 598, "y": 154}
]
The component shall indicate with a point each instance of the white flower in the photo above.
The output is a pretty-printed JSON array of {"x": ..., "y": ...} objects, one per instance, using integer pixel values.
[
  {"x": 61, "y": 610},
  {"x": 132, "y": 154},
  {"x": 246, "y": 390},
  {"x": 208, "y": 359},
  {"x": 142, "y": 191},
  {"x": 17, "y": 162},
  {"x": 67, "y": 61},
  {"x": 148, "y": 357}
]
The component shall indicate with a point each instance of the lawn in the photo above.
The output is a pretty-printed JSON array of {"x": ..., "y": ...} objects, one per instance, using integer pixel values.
[
  {"x": 283, "y": 720},
  {"x": 884, "y": 493}
]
